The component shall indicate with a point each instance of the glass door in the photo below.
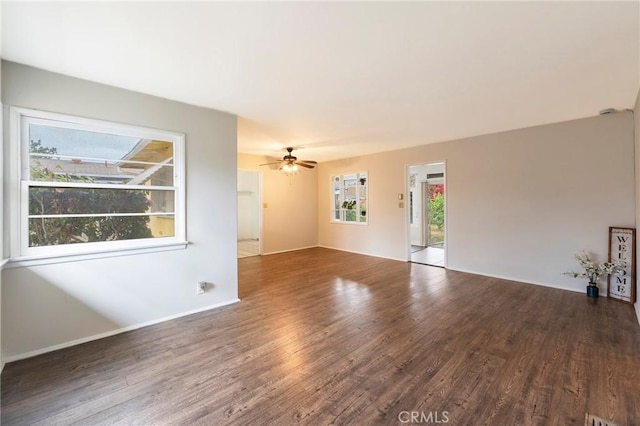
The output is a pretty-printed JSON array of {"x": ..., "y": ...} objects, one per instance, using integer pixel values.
[{"x": 435, "y": 214}]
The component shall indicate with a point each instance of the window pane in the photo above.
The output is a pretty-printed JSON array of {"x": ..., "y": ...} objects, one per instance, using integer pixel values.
[
  {"x": 99, "y": 172},
  {"x": 79, "y": 143},
  {"x": 56, "y": 231},
  {"x": 350, "y": 216},
  {"x": 65, "y": 201},
  {"x": 95, "y": 155},
  {"x": 162, "y": 226}
]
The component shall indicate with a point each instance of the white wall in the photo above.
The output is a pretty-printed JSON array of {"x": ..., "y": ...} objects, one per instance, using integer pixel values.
[
  {"x": 48, "y": 305},
  {"x": 520, "y": 203},
  {"x": 290, "y": 220},
  {"x": 248, "y": 205}
]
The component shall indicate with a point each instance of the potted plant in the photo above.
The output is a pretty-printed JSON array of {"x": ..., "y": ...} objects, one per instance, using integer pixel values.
[
  {"x": 349, "y": 204},
  {"x": 594, "y": 271}
]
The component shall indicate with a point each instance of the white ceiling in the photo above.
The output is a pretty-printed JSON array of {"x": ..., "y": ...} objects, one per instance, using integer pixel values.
[{"x": 344, "y": 79}]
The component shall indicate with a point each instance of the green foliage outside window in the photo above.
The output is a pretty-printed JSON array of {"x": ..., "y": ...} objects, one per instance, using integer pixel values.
[
  {"x": 436, "y": 211},
  {"x": 82, "y": 201}
]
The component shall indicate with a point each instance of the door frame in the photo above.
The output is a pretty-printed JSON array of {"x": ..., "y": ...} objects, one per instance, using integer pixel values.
[
  {"x": 407, "y": 178},
  {"x": 260, "y": 227}
]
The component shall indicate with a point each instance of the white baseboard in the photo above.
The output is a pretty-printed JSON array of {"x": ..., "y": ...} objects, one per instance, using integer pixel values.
[
  {"x": 113, "y": 332},
  {"x": 364, "y": 254},
  {"x": 289, "y": 250},
  {"x": 520, "y": 280},
  {"x": 475, "y": 273},
  {"x": 637, "y": 306},
  {"x": 1, "y": 367}
]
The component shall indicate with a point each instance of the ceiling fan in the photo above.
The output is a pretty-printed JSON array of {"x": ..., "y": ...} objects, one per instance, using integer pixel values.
[{"x": 289, "y": 163}]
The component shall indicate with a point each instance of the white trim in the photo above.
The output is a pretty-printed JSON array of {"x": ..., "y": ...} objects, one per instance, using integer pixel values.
[
  {"x": 3, "y": 262},
  {"x": 14, "y": 182},
  {"x": 362, "y": 253},
  {"x": 518, "y": 280},
  {"x": 446, "y": 214},
  {"x": 260, "y": 208},
  {"x": 344, "y": 222},
  {"x": 408, "y": 210},
  {"x": 90, "y": 124},
  {"x": 117, "y": 331},
  {"x": 289, "y": 250},
  {"x": 23, "y": 261},
  {"x": 53, "y": 216},
  {"x": 115, "y": 186},
  {"x": 637, "y": 306},
  {"x": 98, "y": 160},
  {"x": 260, "y": 212}
]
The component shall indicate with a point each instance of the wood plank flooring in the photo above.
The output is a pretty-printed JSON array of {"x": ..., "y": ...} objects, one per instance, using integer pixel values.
[{"x": 326, "y": 337}]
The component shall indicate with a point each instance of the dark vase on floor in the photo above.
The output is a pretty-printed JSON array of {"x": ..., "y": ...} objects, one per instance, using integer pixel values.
[{"x": 592, "y": 290}]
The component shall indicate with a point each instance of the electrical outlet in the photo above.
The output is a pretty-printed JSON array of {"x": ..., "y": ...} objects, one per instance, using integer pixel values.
[{"x": 201, "y": 286}]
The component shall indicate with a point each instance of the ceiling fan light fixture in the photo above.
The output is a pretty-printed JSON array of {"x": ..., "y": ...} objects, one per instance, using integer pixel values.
[
  {"x": 289, "y": 165},
  {"x": 289, "y": 169}
]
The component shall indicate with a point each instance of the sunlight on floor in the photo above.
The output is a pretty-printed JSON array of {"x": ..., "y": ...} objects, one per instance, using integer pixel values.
[{"x": 428, "y": 255}]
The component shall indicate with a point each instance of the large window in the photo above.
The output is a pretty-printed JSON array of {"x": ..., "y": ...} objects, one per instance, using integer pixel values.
[
  {"x": 349, "y": 193},
  {"x": 86, "y": 186}
]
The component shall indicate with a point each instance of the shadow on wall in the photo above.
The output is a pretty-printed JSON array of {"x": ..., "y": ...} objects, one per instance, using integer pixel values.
[{"x": 59, "y": 313}]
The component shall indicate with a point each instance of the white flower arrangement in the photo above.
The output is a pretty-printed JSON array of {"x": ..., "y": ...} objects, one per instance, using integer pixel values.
[{"x": 594, "y": 272}]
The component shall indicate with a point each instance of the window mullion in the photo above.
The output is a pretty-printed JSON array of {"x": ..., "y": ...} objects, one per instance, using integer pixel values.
[
  {"x": 56, "y": 184},
  {"x": 97, "y": 160},
  {"x": 70, "y": 215}
]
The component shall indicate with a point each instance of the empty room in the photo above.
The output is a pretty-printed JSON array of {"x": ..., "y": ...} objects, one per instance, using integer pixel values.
[{"x": 319, "y": 213}]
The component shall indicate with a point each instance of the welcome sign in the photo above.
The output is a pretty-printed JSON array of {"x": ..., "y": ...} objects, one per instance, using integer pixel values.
[{"x": 622, "y": 242}]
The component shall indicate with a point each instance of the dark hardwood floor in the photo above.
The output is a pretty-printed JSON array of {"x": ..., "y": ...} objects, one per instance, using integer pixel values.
[{"x": 327, "y": 337}]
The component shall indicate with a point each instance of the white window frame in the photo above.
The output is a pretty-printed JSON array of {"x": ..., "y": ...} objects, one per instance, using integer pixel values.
[
  {"x": 341, "y": 200},
  {"x": 20, "y": 251}
]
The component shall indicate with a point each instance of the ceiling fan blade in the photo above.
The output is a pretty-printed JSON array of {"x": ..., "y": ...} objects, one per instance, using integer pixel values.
[
  {"x": 270, "y": 164},
  {"x": 308, "y": 166},
  {"x": 308, "y": 161}
]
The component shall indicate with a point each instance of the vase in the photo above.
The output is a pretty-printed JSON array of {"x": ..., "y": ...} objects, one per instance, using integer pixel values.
[{"x": 592, "y": 290}]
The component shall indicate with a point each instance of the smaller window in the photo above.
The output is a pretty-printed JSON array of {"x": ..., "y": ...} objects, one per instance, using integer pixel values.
[{"x": 350, "y": 196}]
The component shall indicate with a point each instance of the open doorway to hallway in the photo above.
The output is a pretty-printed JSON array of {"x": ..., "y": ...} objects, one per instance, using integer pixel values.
[
  {"x": 249, "y": 213},
  {"x": 427, "y": 227}
]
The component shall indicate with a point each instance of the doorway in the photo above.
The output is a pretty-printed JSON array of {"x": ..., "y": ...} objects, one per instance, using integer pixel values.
[
  {"x": 249, "y": 213},
  {"x": 427, "y": 215}
]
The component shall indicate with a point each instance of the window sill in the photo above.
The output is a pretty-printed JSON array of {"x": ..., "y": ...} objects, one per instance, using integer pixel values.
[
  {"x": 340, "y": 222},
  {"x": 24, "y": 261}
]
